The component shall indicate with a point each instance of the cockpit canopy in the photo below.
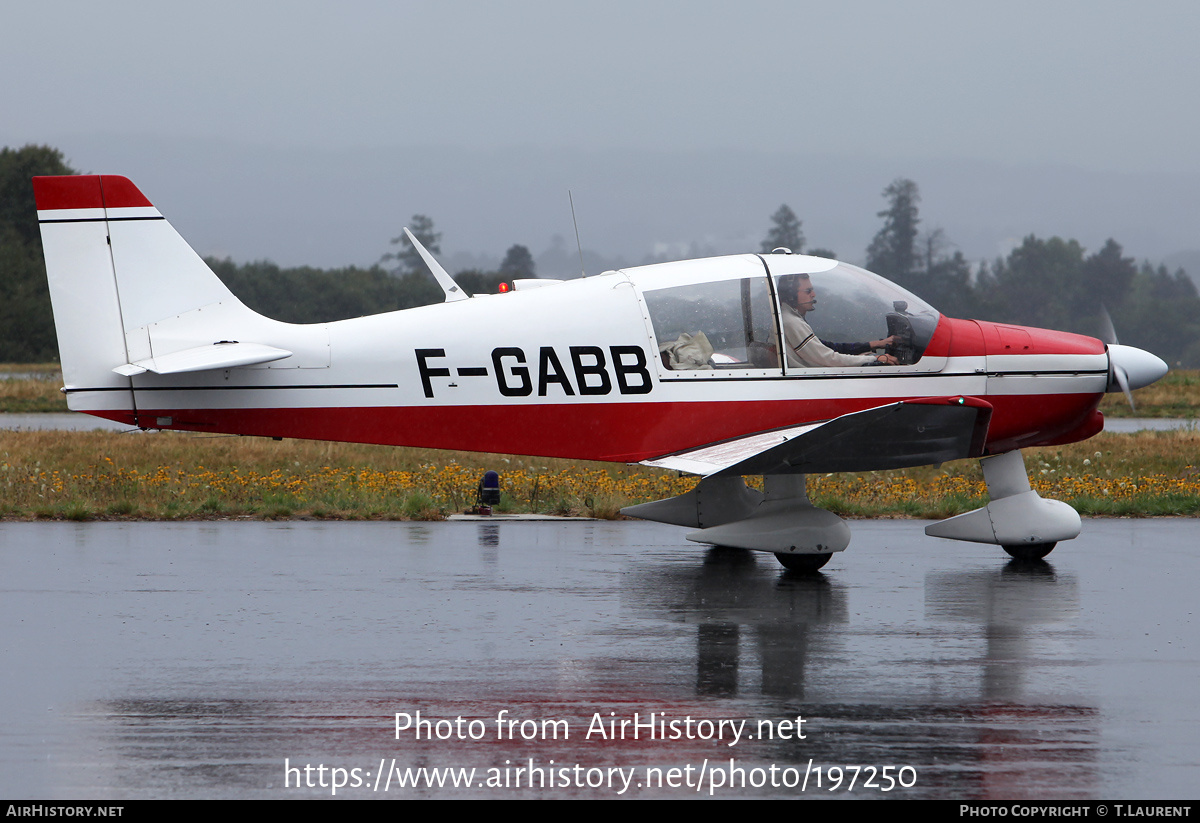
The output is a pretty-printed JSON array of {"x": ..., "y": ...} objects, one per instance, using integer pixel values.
[{"x": 724, "y": 313}]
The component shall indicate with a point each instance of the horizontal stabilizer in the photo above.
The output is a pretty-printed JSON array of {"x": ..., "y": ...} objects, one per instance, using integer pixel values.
[
  {"x": 894, "y": 436},
  {"x": 223, "y": 355}
]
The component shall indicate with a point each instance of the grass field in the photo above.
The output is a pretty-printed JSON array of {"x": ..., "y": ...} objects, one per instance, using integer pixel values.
[
  {"x": 1176, "y": 395},
  {"x": 170, "y": 475},
  {"x": 31, "y": 387}
]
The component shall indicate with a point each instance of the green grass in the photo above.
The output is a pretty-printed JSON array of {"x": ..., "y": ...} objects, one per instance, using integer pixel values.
[
  {"x": 170, "y": 475},
  {"x": 30, "y": 395}
]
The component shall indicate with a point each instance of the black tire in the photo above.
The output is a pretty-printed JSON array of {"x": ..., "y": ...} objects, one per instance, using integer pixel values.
[
  {"x": 1030, "y": 551},
  {"x": 803, "y": 563}
]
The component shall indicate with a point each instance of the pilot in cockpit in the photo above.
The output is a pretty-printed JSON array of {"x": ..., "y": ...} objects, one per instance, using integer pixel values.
[{"x": 804, "y": 348}]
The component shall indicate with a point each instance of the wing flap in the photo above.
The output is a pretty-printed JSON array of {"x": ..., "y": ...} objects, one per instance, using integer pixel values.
[{"x": 894, "y": 436}]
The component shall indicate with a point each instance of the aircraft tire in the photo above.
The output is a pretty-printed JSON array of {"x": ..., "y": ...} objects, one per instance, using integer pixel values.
[
  {"x": 1030, "y": 551},
  {"x": 804, "y": 563}
]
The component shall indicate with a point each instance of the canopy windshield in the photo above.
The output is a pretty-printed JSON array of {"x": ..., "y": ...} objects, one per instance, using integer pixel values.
[{"x": 853, "y": 305}]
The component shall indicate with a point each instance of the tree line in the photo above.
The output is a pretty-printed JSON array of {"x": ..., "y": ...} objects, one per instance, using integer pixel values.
[
  {"x": 26, "y": 324},
  {"x": 1051, "y": 283}
]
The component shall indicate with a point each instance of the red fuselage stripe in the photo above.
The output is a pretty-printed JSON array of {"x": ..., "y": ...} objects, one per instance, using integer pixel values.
[{"x": 620, "y": 432}]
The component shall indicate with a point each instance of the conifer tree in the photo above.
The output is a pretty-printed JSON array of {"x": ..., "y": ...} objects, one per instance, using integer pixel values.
[{"x": 785, "y": 232}]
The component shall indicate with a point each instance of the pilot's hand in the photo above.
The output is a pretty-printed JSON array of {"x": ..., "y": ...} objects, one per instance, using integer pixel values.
[
  {"x": 885, "y": 342},
  {"x": 887, "y": 360}
]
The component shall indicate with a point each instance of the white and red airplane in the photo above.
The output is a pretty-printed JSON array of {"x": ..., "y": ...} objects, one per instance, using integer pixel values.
[{"x": 675, "y": 365}]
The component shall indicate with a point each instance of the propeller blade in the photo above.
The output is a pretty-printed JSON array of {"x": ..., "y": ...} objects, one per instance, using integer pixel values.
[
  {"x": 1108, "y": 332},
  {"x": 1124, "y": 361},
  {"x": 1122, "y": 378}
]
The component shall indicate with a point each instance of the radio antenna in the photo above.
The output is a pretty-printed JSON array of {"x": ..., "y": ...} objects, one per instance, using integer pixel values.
[{"x": 578, "y": 245}]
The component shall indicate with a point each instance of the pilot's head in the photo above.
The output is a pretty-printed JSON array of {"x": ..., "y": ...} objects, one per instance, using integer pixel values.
[{"x": 797, "y": 291}]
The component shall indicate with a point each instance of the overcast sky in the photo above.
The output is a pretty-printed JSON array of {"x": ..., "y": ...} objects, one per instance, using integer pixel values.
[{"x": 1095, "y": 88}]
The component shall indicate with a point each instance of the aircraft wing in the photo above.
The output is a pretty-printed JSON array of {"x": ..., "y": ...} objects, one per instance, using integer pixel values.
[{"x": 894, "y": 436}]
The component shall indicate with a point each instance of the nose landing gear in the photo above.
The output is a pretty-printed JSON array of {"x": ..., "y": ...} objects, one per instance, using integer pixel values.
[{"x": 1027, "y": 526}]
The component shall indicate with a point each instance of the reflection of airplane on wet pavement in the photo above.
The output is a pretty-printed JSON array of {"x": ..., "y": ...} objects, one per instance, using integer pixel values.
[{"x": 704, "y": 366}]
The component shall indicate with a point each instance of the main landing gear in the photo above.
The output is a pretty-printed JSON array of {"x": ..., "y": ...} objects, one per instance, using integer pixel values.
[
  {"x": 803, "y": 563},
  {"x": 1032, "y": 551},
  {"x": 780, "y": 520}
]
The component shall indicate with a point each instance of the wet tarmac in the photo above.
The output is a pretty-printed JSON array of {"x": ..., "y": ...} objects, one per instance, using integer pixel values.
[
  {"x": 595, "y": 659},
  {"x": 1128, "y": 425},
  {"x": 58, "y": 421}
]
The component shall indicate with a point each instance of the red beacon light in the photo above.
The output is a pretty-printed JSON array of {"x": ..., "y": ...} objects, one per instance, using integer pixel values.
[{"x": 503, "y": 288}]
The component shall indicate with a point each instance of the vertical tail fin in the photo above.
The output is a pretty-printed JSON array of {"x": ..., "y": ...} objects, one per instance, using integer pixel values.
[{"x": 115, "y": 266}]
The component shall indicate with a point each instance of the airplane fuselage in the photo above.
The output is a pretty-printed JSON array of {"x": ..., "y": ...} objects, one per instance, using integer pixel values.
[{"x": 573, "y": 370}]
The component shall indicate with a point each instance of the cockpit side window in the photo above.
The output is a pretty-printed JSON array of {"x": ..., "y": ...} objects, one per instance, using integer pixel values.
[{"x": 725, "y": 325}]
